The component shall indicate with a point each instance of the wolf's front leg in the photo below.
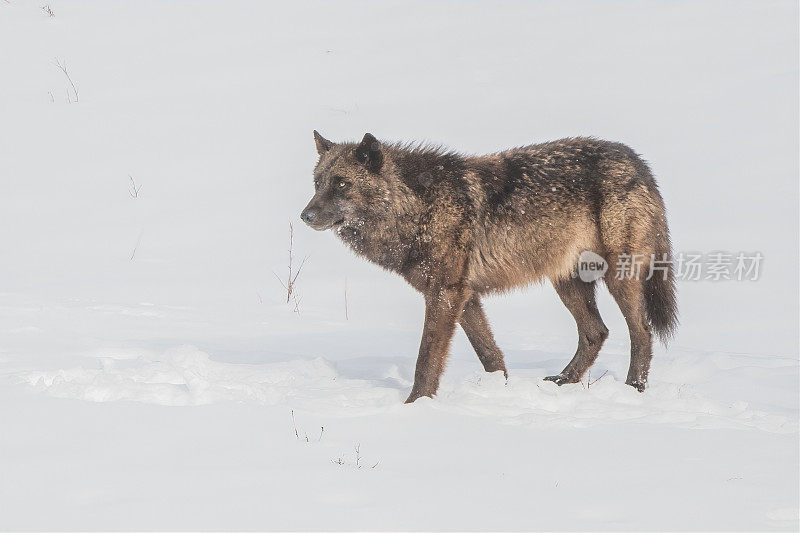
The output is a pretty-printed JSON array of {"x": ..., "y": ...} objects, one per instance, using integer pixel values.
[{"x": 443, "y": 309}]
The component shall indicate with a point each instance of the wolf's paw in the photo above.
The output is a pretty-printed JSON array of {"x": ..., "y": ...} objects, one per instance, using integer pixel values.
[
  {"x": 561, "y": 379},
  {"x": 637, "y": 384},
  {"x": 414, "y": 396},
  {"x": 491, "y": 369}
]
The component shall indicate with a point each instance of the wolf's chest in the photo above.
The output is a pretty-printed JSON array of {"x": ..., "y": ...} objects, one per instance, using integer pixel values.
[{"x": 381, "y": 245}]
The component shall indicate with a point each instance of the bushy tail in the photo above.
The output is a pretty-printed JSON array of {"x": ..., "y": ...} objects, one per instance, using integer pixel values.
[{"x": 659, "y": 293}]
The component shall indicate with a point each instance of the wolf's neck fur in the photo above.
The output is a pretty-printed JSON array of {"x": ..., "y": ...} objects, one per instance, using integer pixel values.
[{"x": 390, "y": 233}]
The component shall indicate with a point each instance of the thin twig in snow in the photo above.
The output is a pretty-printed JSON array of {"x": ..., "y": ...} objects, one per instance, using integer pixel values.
[
  {"x": 296, "y": 434},
  {"x": 133, "y": 253},
  {"x": 296, "y": 301},
  {"x": 590, "y": 382},
  {"x": 133, "y": 190},
  {"x": 63, "y": 68},
  {"x": 292, "y": 275}
]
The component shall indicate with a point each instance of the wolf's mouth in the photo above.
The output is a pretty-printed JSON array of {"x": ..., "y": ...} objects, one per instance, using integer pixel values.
[
  {"x": 332, "y": 225},
  {"x": 326, "y": 227}
]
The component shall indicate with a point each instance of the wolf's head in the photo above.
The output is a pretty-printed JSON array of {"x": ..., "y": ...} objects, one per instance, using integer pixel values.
[{"x": 348, "y": 183}]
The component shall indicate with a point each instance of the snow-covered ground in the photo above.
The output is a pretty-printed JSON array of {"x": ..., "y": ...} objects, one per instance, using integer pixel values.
[{"x": 153, "y": 377}]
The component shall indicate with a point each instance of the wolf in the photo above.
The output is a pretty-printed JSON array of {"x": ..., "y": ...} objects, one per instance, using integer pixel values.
[{"x": 458, "y": 227}]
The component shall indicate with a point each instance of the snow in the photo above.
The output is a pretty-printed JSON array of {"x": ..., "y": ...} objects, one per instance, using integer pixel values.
[
  {"x": 152, "y": 375},
  {"x": 188, "y": 376}
]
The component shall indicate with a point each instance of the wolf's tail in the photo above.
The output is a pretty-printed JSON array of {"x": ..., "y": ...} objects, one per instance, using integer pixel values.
[{"x": 659, "y": 291}]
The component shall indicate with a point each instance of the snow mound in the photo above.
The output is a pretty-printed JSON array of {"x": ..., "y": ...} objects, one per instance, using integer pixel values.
[
  {"x": 526, "y": 399},
  {"x": 189, "y": 376}
]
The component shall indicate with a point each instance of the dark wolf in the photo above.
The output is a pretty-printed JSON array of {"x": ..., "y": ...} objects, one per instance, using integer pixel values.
[{"x": 457, "y": 227}]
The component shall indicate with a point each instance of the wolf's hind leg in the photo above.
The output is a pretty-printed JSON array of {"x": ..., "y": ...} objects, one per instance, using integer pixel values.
[
  {"x": 578, "y": 297},
  {"x": 476, "y": 326},
  {"x": 629, "y": 295}
]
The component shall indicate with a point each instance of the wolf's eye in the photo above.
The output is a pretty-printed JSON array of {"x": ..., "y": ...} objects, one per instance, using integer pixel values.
[{"x": 341, "y": 184}]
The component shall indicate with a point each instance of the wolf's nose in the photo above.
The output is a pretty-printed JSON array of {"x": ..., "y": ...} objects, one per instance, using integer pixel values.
[{"x": 308, "y": 216}]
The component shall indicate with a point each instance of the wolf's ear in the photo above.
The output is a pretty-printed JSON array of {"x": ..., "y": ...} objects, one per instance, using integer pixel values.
[
  {"x": 370, "y": 153},
  {"x": 323, "y": 144}
]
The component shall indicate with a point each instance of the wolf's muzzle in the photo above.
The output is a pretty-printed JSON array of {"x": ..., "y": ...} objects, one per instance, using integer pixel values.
[{"x": 308, "y": 216}]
